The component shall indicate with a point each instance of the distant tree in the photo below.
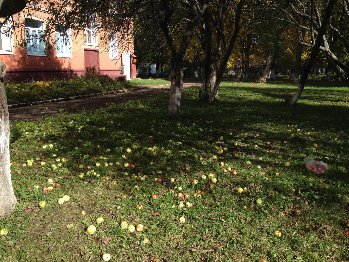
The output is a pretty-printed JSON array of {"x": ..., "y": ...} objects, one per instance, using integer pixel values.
[
  {"x": 320, "y": 39},
  {"x": 219, "y": 34}
]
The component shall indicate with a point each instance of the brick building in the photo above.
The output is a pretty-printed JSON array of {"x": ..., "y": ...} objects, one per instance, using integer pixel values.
[{"x": 30, "y": 54}]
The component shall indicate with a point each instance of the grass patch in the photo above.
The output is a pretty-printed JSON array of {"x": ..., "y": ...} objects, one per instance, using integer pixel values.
[
  {"x": 129, "y": 162},
  {"x": 150, "y": 81},
  {"x": 30, "y": 92}
]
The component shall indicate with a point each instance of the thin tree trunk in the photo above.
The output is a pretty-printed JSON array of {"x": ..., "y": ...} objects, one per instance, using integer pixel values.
[
  {"x": 176, "y": 88},
  {"x": 246, "y": 65},
  {"x": 7, "y": 197},
  {"x": 208, "y": 69},
  {"x": 298, "y": 66},
  {"x": 315, "y": 50}
]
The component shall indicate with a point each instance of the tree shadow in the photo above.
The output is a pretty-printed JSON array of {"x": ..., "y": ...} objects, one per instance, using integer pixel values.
[{"x": 265, "y": 133}]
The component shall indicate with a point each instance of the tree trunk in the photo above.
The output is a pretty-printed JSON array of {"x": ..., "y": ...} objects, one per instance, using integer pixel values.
[
  {"x": 176, "y": 88},
  {"x": 267, "y": 71},
  {"x": 210, "y": 80},
  {"x": 7, "y": 197},
  {"x": 298, "y": 66},
  {"x": 314, "y": 51},
  {"x": 208, "y": 69}
]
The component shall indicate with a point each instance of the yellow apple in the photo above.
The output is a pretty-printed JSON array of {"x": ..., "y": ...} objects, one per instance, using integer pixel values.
[
  {"x": 240, "y": 190},
  {"x": 277, "y": 233},
  {"x": 4, "y": 232},
  {"x": 100, "y": 220},
  {"x": 91, "y": 230},
  {"x": 42, "y": 204},
  {"x": 131, "y": 228},
  {"x": 66, "y": 198},
  {"x": 140, "y": 228},
  {"x": 106, "y": 257},
  {"x": 182, "y": 219},
  {"x": 124, "y": 224}
]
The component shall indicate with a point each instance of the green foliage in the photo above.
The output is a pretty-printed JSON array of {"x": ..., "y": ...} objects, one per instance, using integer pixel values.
[
  {"x": 30, "y": 92},
  {"x": 129, "y": 162}
]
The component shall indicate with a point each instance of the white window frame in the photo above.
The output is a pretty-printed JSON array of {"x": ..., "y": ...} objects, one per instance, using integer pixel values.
[
  {"x": 91, "y": 34},
  {"x": 6, "y": 32},
  {"x": 114, "y": 47},
  {"x": 39, "y": 32},
  {"x": 63, "y": 43}
]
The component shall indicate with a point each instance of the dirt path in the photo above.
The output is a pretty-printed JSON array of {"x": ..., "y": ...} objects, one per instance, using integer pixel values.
[{"x": 36, "y": 112}]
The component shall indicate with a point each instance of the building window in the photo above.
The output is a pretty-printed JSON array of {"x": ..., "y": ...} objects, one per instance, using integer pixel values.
[
  {"x": 63, "y": 42},
  {"x": 6, "y": 37},
  {"x": 35, "y": 33},
  {"x": 90, "y": 34},
  {"x": 114, "y": 48}
]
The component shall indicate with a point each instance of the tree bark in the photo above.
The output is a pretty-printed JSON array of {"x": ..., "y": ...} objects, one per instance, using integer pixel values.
[
  {"x": 7, "y": 196},
  {"x": 175, "y": 88},
  {"x": 314, "y": 51},
  {"x": 298, "y": 66},
  {"x": 208, "y": 69}
]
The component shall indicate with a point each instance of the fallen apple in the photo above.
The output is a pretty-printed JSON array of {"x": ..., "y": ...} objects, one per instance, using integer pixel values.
[
  {"x": 131, "y": 228},
  {"x": 66, "y": 198},
  {"x": 91, "y": 230},
  {"x": 259, "y": 201},
  {"x": 146, "y": 240},
  {"x": 4, "y": 232},
  {"x": 182, "y": 219},
  {"x": 140, "y": 228},
  {"x": 124, "y": 224},
  {"x": 100, "y": 220},
  {"x": 106, "y": 257},
  {"x": 240, "y": 190},
  {"x": 42, "y": 204},
  {"x": 277, "y": 233}
]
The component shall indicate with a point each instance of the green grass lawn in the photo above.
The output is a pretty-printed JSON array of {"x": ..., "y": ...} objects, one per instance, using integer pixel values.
[
  {"x": 130, "y": 163},
  {"x": 150, "y": 81}
]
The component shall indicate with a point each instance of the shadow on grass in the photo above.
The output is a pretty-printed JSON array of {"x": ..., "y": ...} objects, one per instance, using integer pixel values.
[{"x": 266, "y": 133}]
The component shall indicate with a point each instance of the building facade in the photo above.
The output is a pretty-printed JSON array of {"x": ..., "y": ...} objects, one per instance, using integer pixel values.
[{"x": 30, "y": 53}]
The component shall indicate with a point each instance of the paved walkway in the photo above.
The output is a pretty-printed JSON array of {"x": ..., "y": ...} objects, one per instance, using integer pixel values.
[{"x": 36, "y": 112}]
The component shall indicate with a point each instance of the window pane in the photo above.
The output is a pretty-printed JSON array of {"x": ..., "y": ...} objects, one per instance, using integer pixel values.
[
  {"x": 33, "y": 23},
  {"x": 6, "y": 36}
]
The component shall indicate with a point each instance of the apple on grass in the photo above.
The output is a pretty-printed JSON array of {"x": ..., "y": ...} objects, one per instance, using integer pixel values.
[
  {"x": 182, "y": 220},
  {"x": 131, "y": 228},
  {"x": 124, "y": 224},
  {"x": 42, "y": 204},
  {"x": 100, "y": 220},
  {"x": 106, "y": 257},
  {"x": 91, "y": 230},
  {"x": 277, "y": 233},
  {"x": 4, "y": 232}
]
